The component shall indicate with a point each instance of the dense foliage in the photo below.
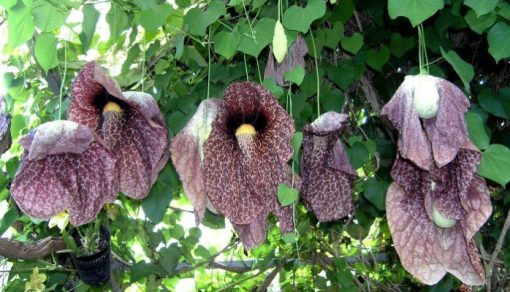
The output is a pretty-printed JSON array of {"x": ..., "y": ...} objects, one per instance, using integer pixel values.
[{"x": 185, "y": 51}]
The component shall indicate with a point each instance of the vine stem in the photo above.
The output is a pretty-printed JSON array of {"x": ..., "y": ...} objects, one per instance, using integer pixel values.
[
  {"x": 62, "y": 84},
  {"x": 497, "y": 250},
  {"x": 316, "y": 74}
]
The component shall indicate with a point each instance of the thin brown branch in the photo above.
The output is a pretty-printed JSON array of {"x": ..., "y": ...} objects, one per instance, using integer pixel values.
[
  {"x": 269, "y": 278},
  {"x": 497, "y": 250},
  {"x": 29, "y": 251}
]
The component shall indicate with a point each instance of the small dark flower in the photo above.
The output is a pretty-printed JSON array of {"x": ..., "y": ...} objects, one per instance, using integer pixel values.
[
  {"x": 295, "y": 57},
  {"x": 187, "y": 154},
  {"x": 245, "y": 159},
  {"x": 326, "y": 171},
  {"x": 441, "y": 136},
  {"x": 66, "y": 166},
  {"x": 433, "y": 216},
  {"x": 130, "y": 123},
  {"x": 5, "y": 128}
]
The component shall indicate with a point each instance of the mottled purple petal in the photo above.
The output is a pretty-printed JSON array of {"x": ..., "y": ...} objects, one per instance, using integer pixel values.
[
  {"x": 294, "y": 58},
  {"x": 442, "y": 136},
  {"x": 457, "y": 193},
  {"x": 412, "y": 142},
  {"x": 76, "y": 173},
  {"x": 137, "y": 134},
  {"x": 447, "y": 131},
  {"x": 187, "y": 154},
  {"x": 242, "y": 175},
  {"x": 327, "y": 173},
  {"x": 254, "y": 233},
  {"x": 5, "y": 128},
  {"x": 426, "y": 251},
  {"x": 144, "y": 143}
]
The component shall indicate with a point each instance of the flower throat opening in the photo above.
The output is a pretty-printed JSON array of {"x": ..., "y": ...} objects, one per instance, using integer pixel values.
[{"x": 250, "y": 124}]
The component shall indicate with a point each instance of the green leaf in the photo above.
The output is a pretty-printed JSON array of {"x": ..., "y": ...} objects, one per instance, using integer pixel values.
[
  {"x": 48, "y": 17},
  {"x": 117, "y": 20},
  {"x": 18, "y": 123},
  {"x": 498, "y": 105},
  {"x": 482, "y": 7},
  {"x": 499, "y": 41},
  {"x": 495, "y": 164},
  {"x": 480, "y": 24},
  {"x": 334, "y": 35},
  {"x": 463, "y": 68},
  {"x": 90, "y": 17},
  {"x": 8, "y": 219},
  {"x": 416, "y": 11},
  {"x": 375, "y": 192},
  {"x": 20, "y": 24},
  {"x": 46, "y": 51},
  {"x": 270, "y": 84},
  {"x": 353, "y": 43},
  {"x": 170, "y": 258},
  {"x": 141, "y": 270},
  {"x": 290, "y": 237},
  {"x": 198, "y": 20},
  {"x": 287, "y": 195},
  {"x": 400, "y": 45},
  {"x": 297, "y": 140},
  {"x": 226, "y": 43},
  {"x": 263, "y": 33},
  {"x": 152, "y": 19},
  {"x": 358, "y": 155},
  {"x": 160, "y": 196},
  {"x": 295, "y": 76},
  {"x": 377, "y": 58},
  {"x": 479, "y": 133},
  {"x": 7, "y": 3},
  {"x": 504, "y": 10},
  {"x": 146, "y": 4},
  {"x": 300, "y": 19}
]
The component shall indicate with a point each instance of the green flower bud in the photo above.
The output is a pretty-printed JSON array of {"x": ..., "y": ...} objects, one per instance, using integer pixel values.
[{"x": 279, "y": 42}]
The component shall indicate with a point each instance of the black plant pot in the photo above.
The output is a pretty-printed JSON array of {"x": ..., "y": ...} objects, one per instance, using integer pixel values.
[{"x": 95, "y": 268}]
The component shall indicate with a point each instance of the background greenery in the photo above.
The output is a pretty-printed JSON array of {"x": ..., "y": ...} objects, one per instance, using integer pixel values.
[{"x": 185, "y": 51}]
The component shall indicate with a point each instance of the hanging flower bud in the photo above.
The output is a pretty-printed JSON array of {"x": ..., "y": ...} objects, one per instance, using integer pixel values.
[
  {"x": 279, "y": 42},
  {"x": 425, "y": 96}
]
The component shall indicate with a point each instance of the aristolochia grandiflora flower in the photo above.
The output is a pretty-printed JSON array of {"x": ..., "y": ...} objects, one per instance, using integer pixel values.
[
  {"x": 245, "y": 159},
  {"x": 130, "y": 123},
  {"x": 437, "y": 202},
  {"x": 295, "y": 57},
  {"x": 66, "y": 166},
  {"x": 325, "y": 168},
  {"x": 188, "y": 155}
]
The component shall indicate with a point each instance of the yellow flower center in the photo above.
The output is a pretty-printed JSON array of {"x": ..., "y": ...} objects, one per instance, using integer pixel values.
[
  {"x": 245, "y": 129},
  {"x": 111, "y": 107}
]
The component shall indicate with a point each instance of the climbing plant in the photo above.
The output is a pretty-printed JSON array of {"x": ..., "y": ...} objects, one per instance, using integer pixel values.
[{"x": 355, "y": 54}]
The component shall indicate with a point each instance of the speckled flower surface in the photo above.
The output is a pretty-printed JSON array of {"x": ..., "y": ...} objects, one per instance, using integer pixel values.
[
  {"x": 295, "y": 57},
  {"x": 426, "y": 250},
  {"x": 133, "y": 128},
  {"x": 66, "y": 166},
  {"x": 5, "y": 128},
  {"x": 436, "y": 203},
  {"x": 429, "y": 141},
  {"x": 187, "y": 154},
  {"x": 243, "y": 172},
  {"x": 326, "y": 171}
]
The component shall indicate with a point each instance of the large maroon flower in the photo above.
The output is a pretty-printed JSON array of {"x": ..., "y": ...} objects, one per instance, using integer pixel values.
[
  {"x": 187, "y": 154},
  {"x": 245, "y": 159},
  {"x": 325, "y": 168},
  {"x": 437, "y": 202},
  {"x": 5, "y": 128},
  {"x": 441, "y": 136},
  {"x": 130, "y": 123},
  {"x": 66, "y": 166}
]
